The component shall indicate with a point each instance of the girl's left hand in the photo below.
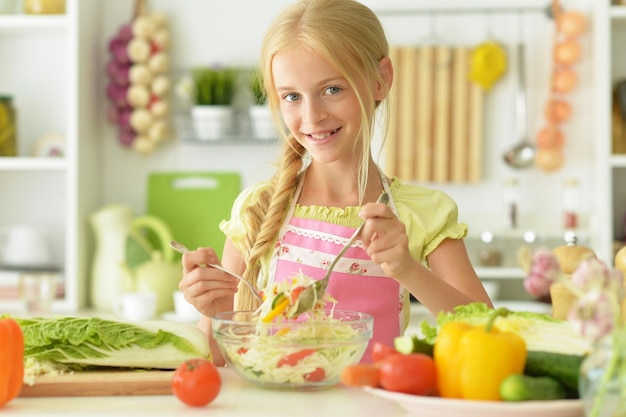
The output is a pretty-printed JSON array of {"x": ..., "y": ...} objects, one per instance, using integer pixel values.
[{"x": 385, "y": 239}]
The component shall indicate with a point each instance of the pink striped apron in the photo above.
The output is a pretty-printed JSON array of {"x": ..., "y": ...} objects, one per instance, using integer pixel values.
[{"x": 357, "y": 283}]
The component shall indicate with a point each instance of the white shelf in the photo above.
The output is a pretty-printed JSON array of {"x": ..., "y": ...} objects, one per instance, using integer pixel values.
[
  {"x": 55, "y": 194},
  {"x": 500, "y": 273},
  {"x": 32, "y": 164},
  {"x": 618, "y": 161},
  {"x": 29, "y": 23},
  {"x": 618, "y": 12}
]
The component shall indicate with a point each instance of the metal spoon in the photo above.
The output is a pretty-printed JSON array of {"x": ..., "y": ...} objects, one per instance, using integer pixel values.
[
  {"x": 180, "y": 248},
  {"x": 521, "y": 155},
  {"x": 315, "y": 291}
]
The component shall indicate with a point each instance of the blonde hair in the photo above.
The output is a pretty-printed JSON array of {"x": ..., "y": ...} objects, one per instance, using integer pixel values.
[{"x": 349, "y": 35}]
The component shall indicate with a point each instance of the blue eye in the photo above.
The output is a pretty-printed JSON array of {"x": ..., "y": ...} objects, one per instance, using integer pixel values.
[
  {"x": 333, "y": 90},
  {"x": 291, "y": 97}
]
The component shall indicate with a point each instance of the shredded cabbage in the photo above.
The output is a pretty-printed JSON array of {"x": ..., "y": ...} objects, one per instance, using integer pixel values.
[
  {"x": 256, "y": 356},
  {"x": 288, "y": 290}
]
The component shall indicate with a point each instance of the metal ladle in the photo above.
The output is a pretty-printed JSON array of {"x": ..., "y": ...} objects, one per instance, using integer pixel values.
[
  {"x": 180, "y": 248},
  {"x": 315, "y": 291},
  {"x": 522, "y": 155}
]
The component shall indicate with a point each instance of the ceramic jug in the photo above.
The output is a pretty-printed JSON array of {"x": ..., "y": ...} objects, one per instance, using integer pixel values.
[
  {"x": 161, "y": 272},
  {"x": 111, "y": 225}
]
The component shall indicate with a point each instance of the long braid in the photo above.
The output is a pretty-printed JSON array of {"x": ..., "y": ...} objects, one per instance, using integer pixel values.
[{"x": 265, "y": 218}]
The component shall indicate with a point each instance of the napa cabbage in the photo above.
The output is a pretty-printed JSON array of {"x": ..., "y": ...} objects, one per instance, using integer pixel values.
[{"x": 64, "y": 343}]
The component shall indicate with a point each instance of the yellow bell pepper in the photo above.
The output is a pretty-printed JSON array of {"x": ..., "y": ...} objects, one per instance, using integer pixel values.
[
  {"x": 280, "y": 307},
  {"x": 472, "y": 361}
]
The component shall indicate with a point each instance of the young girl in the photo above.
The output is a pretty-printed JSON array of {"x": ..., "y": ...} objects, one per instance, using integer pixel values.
[{"x": 327, "y": 74}]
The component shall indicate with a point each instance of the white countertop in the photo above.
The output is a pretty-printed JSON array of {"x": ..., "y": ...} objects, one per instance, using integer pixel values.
[{"x": 236, "y": 399}]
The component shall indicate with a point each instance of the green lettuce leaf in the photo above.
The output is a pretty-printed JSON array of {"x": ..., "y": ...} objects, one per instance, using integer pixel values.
[
  {"x": 84, "y": 342},
  {"x": 541, "y": 332}
]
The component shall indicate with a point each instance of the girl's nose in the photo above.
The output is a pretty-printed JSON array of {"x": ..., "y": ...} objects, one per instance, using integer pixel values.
[{"x": 314, "y": 111}]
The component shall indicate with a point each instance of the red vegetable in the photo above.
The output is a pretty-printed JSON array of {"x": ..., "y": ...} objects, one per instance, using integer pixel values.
[
  {"x": 196, "y": 382},
  {"x": 415, "y": 373},
  {"x": 295, "y": 293},
  {"x": 361, "y": 375},
  {"x": 317, "y": 375},
  {"x": 380, "y": 351},
  {"x": 11, "y": 360},
  {"x": 293, "y": 358}
]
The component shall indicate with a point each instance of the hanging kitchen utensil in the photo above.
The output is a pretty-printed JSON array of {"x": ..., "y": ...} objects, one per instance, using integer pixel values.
[
  {"x": 522, "y": 155},
  {"x": 488, "y": 61}
]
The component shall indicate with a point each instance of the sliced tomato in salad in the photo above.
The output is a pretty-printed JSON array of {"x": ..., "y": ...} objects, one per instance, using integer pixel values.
[
  {"x": 295, "y": 293},
  {"x": 317, "y": 375},
  {"x": 292, "y": 359}
]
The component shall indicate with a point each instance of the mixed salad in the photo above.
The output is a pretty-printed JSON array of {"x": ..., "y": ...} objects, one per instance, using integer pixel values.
[
  {"x": 309, "y": 350},
  {"x": 280, "y": 299},
  {"x": 286, "y": 349}
]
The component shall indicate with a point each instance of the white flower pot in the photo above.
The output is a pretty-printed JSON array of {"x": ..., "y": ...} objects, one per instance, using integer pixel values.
[
  {"x": 262, "y": 123},
  {"x": 212, "y": 122}
]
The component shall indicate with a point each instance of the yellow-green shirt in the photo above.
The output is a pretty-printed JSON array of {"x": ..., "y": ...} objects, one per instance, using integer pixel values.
[{"x": 430, "y": 216}]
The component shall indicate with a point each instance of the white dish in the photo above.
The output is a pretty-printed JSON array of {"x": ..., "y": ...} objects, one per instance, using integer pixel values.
[
  {"x": 172, "y": 316},
  {"x": 532, "y": 306},
  {"x": 444, "y": 407}
]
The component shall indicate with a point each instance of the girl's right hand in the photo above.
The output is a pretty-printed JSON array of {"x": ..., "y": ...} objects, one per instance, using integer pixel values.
[{"x": 208, "y": 289}]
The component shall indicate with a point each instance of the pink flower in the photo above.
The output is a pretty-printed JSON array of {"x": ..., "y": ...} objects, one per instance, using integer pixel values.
[
  {"x": 544, "y": 271},
  {"x": 593, "y": 314},
  {"x": 590, "y": 274}
]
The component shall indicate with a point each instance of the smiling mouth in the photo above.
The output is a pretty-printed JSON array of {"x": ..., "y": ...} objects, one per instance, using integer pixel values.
[{"x": 322, "y": 136}]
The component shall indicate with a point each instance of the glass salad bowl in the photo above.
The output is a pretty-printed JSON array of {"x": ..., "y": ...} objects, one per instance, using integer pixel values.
[{"x": 307, "y": 352}]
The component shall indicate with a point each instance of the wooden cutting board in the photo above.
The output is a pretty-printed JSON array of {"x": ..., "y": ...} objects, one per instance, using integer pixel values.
[{"x": 101, "y": 383}]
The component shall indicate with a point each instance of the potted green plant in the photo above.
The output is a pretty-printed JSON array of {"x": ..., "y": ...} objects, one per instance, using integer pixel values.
[
  {"x": 213, "y": 89},
  {"x": 260, "y": 114}
]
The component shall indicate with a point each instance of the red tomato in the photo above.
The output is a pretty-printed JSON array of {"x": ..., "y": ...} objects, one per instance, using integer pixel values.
[
  {"x": 316, "y": 375},
  {"x": 293, "y": 358},
  {"x": 196, "y": 382},
  {"x": 380, "y": 351},
  {"x": 410, "y": 374},
  {"x": 295, "y": 293}
]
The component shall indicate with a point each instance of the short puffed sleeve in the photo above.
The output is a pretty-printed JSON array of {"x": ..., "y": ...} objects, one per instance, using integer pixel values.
[{"x": 430, "y": 216}]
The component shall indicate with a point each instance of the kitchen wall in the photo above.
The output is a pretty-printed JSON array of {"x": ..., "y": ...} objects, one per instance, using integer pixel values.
[{"x": 212, "y": 31}]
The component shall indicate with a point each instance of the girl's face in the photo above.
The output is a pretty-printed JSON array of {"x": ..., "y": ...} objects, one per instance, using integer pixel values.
[{"x": 317, "y": 104}]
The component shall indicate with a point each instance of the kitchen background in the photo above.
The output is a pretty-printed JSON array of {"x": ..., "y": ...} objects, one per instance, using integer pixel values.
[{"x": 54, "y": 67}]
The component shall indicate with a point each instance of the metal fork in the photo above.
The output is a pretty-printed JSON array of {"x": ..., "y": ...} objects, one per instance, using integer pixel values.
[
  {"x": 180, "y": 248},
  {"x": 316, "y": 290}
]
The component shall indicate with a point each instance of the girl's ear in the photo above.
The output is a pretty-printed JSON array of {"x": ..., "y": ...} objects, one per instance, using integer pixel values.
[{"x": 385, "y": 67}]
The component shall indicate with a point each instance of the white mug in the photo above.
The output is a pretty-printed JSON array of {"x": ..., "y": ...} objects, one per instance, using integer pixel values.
[
  {"x": 136, "y": 306},
  {"x": 37, "y": 291},
  {"x": 24, "y": 245},
  {"x": 185, "y": 311}
]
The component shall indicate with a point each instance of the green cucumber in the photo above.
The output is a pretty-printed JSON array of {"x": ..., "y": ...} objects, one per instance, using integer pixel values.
[
  {"x": 519, "y": 387},
  {"x": 564, "y": 368},
  {"x": 412, "y": 344},
  {"x": 280, "y": 297}
]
